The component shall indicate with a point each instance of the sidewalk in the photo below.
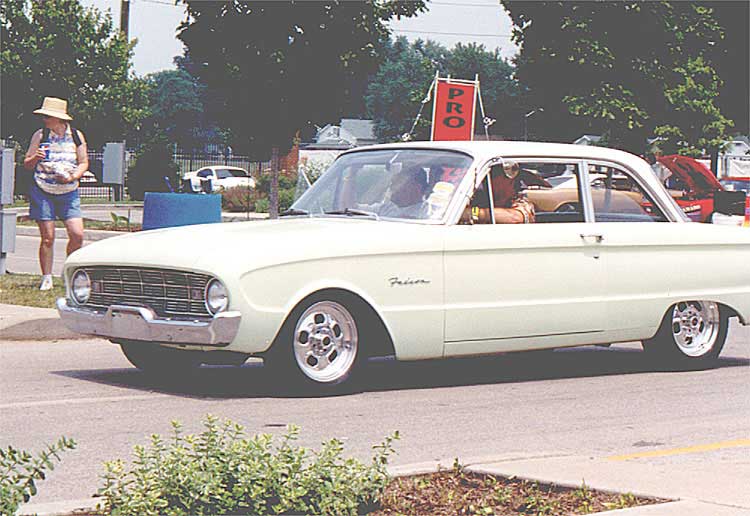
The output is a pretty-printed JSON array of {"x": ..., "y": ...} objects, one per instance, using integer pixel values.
[{"x": 30, "y": 323}]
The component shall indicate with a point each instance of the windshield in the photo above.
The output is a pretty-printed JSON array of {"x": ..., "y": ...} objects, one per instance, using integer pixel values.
[{"x": 395, "y": 183}]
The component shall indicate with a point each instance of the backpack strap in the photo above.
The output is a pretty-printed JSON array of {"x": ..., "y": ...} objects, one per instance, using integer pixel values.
[{"x": 73, "y": 132}]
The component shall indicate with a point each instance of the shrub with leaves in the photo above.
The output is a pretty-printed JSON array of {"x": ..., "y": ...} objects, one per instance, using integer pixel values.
[
  {"x": 19, "y": 471},
  {"x": 238, "y": 198},
  {"x": 222, "y": 471}
]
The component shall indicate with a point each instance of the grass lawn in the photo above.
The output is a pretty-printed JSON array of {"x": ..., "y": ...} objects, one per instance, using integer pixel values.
[
  {"x": 23, "y": 289},
  {"x": 105, "y": 225}
]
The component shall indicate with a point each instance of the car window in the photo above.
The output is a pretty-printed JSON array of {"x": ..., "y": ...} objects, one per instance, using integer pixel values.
[
  {"x": 618, "y": 197},
  {"x": 204, "y": 173},
  {"x": 554, "y": 190}
]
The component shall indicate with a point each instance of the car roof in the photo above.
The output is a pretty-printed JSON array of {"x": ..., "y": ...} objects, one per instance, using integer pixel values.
[{"x": 489, "y": 149}]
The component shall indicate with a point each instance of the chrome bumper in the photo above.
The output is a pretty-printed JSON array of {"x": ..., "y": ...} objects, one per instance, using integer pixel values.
[{"x": 139, "y": 323}]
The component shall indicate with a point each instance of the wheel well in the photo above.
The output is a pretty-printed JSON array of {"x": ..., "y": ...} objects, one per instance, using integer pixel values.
[{"x": 378, "y": 340}]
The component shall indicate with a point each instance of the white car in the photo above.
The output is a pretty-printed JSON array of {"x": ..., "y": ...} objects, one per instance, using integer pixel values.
[
  {"x": 219, "y": 177},
  {"x": 383, "y": 256}
]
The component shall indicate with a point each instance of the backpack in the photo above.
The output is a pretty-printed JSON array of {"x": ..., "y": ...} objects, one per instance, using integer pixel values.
[{"x": 73, "y": 131}]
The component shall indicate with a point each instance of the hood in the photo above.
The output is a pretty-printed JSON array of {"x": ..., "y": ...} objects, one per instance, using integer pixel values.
[
  {"x": 236, "y": 247},
  {"x": 693, "y": 173}
]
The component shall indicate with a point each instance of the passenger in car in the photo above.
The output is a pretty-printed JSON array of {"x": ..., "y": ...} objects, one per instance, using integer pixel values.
[{"x": 511, "y": 207}]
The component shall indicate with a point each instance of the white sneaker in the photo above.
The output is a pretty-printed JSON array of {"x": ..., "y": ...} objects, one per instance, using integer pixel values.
[{"x": 46, "y": 283}]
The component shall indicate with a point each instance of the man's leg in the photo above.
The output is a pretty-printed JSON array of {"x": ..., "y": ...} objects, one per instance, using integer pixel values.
[{"x": 75, "y": 234}]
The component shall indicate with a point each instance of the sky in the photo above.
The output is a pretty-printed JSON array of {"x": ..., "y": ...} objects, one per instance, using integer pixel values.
[{"x": 154, "y": 23}]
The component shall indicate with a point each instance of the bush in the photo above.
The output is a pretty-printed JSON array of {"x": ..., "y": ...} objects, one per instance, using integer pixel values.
[
  {"x": 286, "y": 199},
  {"x": 19, "y": 471},
  {"x": 238, "y": 198},
  {"x": 153, "y": 163},
  {"x": 221, "y": 471}
]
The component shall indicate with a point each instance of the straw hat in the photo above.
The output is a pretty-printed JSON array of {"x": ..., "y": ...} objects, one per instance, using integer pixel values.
[{"x": 57, "y": 108}]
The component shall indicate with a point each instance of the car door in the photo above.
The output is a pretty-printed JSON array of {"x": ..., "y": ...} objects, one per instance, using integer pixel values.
[
  {"x": 640, "y": 248},
  {"x": 527, "y": 286}
]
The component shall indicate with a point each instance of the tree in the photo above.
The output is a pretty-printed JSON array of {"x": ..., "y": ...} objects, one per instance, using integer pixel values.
[
  {"x": 627, "y": 69},
  {"x": 175, "y": 107},
  {"x": 58, "y": 48},
  {"x": 278, "y": 67},
  {"x": 403, "y": 79}
]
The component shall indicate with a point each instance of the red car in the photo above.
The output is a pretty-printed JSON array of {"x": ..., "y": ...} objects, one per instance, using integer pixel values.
[{"x": 692, "y": 185}]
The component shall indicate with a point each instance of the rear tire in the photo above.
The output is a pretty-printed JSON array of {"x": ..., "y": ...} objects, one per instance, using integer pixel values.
[
  {"x": 152, "y": 358},
  {"x": 691, "y": 336}
]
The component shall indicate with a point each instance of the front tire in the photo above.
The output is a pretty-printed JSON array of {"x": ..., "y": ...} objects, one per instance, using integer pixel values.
[
  {"x": 320, "y": 344},
  {"x": 691, "y": 335}
]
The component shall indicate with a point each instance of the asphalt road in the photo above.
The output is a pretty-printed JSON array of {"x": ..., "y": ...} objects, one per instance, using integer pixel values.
[{"x": 589, "y": 401}]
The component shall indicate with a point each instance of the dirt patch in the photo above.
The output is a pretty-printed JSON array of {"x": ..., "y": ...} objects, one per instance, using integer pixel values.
[{"x": 454, "y": 492}]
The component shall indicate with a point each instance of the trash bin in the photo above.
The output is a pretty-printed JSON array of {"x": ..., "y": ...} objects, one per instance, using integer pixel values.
[{"x": 165, "y": 210}]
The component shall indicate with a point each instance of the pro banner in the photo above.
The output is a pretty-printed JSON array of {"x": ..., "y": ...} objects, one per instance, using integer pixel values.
[{"x": 453, "y": 110}]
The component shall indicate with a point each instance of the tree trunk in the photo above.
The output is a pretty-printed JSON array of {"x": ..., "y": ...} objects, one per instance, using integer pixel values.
[{"x": 273, "y": 195}]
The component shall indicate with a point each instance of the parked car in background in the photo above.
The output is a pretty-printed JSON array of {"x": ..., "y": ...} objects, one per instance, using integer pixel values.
[
  {"x": 692, "y": 185},
  {"x": 218, "y": 177},
  {"x": 383, "y": 255},
  {"x": 736, "y": 184}
]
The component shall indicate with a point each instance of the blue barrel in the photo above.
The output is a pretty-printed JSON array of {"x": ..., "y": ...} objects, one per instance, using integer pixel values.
[{"x": 166, "y": 210}]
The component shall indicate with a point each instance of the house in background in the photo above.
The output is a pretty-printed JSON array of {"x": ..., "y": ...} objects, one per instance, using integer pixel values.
[
  {"x": 350, "y": 133},
  {"x": 588, "y": 139}
]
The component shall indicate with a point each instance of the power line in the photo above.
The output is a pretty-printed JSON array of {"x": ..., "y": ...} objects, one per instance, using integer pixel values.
[
  {"x": 454, "y": 33},
  {"x": 161, "y": 2},
  {"x": 460, "y": 4}
]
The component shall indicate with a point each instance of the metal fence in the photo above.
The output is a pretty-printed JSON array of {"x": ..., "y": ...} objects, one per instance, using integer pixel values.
[{"x": 190, "y": 162}]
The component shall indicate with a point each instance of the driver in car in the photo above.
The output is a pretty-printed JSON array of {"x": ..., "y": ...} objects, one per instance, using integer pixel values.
[{"x": 408, "y": 189}]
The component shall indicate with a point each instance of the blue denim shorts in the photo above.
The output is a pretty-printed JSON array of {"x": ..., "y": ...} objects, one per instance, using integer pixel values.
[{"x": 46, "y": 206}]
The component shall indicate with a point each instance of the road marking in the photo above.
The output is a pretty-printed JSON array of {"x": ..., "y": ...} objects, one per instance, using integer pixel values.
[
  {"x": 739, "y": 443},
  {"x": 79, "y": 401}
]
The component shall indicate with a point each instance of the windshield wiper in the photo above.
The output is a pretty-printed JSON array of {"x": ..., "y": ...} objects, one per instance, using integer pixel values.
[
  {"x": 354, "y": 213},
  {"x": 293, "y": 211}
]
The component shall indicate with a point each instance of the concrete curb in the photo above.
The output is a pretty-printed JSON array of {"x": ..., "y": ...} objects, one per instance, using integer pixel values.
[
  {"x": 89, "y": 235},
  {"x": 479, "y": 465}
]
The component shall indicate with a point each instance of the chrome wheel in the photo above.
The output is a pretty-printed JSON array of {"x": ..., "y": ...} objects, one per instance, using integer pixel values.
[
  {"x": 695, "y": 327},
  {"x": 326, "y": 342}
]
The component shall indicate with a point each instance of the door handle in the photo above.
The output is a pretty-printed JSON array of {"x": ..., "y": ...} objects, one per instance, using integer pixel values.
[{"x": 597, "y": 238}]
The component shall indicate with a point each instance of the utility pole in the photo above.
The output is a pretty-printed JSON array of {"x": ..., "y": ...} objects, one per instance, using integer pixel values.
[{"x": 124, "y": 17}]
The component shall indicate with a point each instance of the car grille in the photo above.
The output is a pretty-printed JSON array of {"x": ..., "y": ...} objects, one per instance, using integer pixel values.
[{"x": 166, "y": 292}]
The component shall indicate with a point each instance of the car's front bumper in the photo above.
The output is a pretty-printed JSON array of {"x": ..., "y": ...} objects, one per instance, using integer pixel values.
[{"x": 140, "y": 323}]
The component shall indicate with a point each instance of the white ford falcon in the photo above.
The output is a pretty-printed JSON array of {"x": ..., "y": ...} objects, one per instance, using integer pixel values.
[{"x": 404, "y": 250}]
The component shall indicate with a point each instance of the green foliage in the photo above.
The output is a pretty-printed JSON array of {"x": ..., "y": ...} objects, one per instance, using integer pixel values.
[
  {"x": 120, "y": 219},
  {"x": 19, "y": 472},
  {"x": 404, "y": 77},
  {"x": 629, "y": 69},
  {"x": 222, "y": 471},
  {"x": 175, "y": 106},
  {"x": 153, "y": 162},
  {"x": 238, "y": 198},
  {"x": 274, "y": 68},
  {"x": 58, "y": 48}
]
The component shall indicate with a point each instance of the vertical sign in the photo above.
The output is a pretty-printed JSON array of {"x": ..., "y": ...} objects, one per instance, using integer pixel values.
[{"x": 453, "y": 112}]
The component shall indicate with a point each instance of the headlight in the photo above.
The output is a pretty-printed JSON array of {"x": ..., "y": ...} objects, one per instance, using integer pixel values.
[
  {"x": 217, "y": 297},
  {"x": 80, "y": 287}
]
